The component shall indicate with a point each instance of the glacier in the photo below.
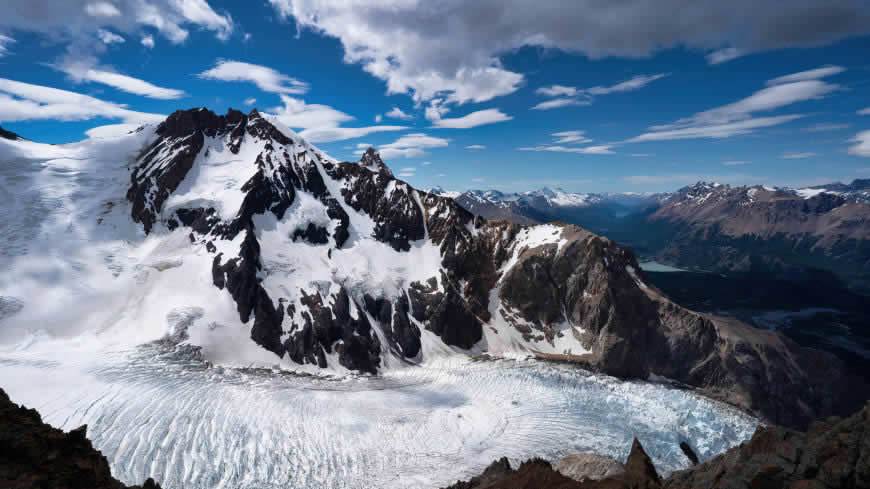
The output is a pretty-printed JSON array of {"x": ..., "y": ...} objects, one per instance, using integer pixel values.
[{"x": 159, "y": 410}]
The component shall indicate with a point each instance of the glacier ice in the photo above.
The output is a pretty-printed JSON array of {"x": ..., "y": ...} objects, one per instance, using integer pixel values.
[{"x": 161, "y": 411}]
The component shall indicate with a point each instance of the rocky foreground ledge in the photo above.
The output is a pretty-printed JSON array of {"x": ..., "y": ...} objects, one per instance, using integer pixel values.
[
  {"x": 36, "y": 455},
  {"x": 832, "y": 454}
]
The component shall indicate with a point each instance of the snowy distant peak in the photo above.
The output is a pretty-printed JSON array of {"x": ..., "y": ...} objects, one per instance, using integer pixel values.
[
  {"x": 439, "y": 191},
  {"x": 857, "y": 191},
  {"x": 8, "y": 134},
  {"x": 371, "y": 159}
]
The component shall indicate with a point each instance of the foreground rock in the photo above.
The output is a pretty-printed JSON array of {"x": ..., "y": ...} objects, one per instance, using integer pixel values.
[
  {"x": 637, "y": 473},
  {"x": 583, "y": 466},
  {"x": 36, "y": 455},
  {"x": 833, "y": 454}
]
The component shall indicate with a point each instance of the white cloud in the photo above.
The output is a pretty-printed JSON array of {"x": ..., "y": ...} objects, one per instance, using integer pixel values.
[
  {"x": 411, "y": 146},
  {"x": 571, "y": 137},
  {"x": 603, "y": 149},
  {"x": 265, "y": 78},
  {"x": 246, "y": 37},
  {"x": 796, "y": 156},
  {"x": 379, "y": 118},
  {"x": 75, "y": 20},
  {"x": 474, "y": 119},
  {"x": 826, "y": 127},
  {"x": 864, "y": 111},
  {"x": 440, "y": 175},
  {"x": 862, "y": 146},
  {"x": 557, "y": 91},
  {"x": 148, "y": 41},
  {"x": 738, "y": 118},
  {"x": 723, "y": 55},
  {"x": 5, "y": 41},
  {"x": 330, "y": 134},
  {"x": 426, "y": 163},
  {"x": 640, "y": 155},
  {"x": 405, "y": 175},
  {"x": 476, "y": 146},
  {"x": 558, "y": 103},
  {"x": 397, "y": 113},
  {"x": 451, "y": 48},
  {"x": 109, "y": 37},
  {"x": 736, "y": 163},
  {"x": 83, "y": 73},
  {"x": 715, "y": 131},
  {"x": 823, "y": 72},
  {"x": 571, "y": 96},
  {"x": 478, "y": 180},
  {"x": 321, "y": 123},
  {"x": 24, "y": 101},
  {"x": 566, "y": 137},
  {"x": 250, "y": 101},
  {"x": 630, "y": 85},
  {"x": 410, "y": 169},
  {"x": 102, "y": 9}
]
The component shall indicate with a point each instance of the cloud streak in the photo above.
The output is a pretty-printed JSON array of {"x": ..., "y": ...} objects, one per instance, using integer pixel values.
[
  {"x": 265, "y": 78},
  {"x": 24, "y": 101}
]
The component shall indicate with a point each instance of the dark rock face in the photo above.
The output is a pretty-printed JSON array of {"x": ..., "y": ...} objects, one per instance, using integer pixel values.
[
  {"x": 239, "y": 275},
  {"x": 8, "y": 134},
  {"x": 398, "y": 217},
  {"x": 36, "y": 455}
]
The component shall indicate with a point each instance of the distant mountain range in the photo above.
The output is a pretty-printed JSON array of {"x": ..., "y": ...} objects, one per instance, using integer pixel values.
[{"x": 787, "y": 232}]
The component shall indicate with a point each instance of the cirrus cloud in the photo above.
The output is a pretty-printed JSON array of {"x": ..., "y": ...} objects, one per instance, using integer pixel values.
[{"x": 265, "y": 78}]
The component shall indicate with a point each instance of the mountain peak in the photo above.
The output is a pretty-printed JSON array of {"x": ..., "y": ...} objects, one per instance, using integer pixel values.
[{"x": 371, "y": 159}]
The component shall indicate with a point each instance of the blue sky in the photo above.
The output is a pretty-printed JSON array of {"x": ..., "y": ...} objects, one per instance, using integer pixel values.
[{"x": 511, "y": 94}]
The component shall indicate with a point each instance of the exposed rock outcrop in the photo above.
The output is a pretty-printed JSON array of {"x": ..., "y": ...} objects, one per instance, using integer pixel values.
[
  {"x": 583, "y": 466},
  {"x": 638, "y": 472},
  {"x": 38, "y": 456}
]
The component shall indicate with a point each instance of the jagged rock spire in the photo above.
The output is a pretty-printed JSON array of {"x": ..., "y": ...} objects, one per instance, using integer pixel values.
[{"x": 371, "y": 159}]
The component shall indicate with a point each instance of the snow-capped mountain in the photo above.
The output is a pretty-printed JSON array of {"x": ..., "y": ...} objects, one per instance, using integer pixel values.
[
  {"x": 546, "y": 205},
  {"x": 232, "y": 235},
  {"x": 776, "y": 230}
]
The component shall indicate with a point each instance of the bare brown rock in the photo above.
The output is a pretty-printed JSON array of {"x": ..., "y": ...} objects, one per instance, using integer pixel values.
[{"x": 38, "y": 456}]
